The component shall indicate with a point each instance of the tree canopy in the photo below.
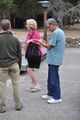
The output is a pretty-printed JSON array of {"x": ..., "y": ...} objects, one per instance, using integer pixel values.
[
  {"x": 4, "y": 8},
  {"x": 74, "y": 2},
  {"x": 27, "y": 8},
  {"x": 5, "y": 3}
]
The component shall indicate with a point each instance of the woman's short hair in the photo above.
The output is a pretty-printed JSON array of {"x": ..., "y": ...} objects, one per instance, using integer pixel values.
[
  {"x": 31, "y": 23},
  {"x": 5, "y": 24}
]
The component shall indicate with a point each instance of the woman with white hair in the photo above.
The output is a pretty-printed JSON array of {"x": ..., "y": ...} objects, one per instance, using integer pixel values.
[{"x": 33, "y": 34}]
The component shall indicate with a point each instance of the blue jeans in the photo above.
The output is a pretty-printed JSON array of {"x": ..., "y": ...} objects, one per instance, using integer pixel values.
[{"x": 53, "y": 82}]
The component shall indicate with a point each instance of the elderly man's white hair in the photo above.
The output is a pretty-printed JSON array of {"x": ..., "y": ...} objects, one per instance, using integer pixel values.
[{"x": 51, "y": 21}]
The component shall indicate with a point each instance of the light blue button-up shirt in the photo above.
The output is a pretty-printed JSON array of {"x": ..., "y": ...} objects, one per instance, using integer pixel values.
[{"x": 55, "y": 53}]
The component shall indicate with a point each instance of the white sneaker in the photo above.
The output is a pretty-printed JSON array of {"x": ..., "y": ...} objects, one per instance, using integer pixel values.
[
  {"x": 53, "y": 101},
  {"x": 46, "y": 97}
]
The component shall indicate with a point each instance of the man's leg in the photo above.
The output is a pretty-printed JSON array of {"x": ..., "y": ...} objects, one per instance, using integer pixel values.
[
  {"x": 49, "y": 88},
  {"x": 55, "y": 82},
  {"x": 3, "y": 81},
  {"x": 15, "y": 77}
]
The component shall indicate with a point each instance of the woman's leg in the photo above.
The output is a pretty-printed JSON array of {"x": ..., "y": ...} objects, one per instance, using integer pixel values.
[{"x": 32, "y": 74}]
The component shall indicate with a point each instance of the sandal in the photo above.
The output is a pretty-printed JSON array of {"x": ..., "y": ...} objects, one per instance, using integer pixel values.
[
  {"x": 35, "y": 89},
  {"x": 28, "y": 89}
]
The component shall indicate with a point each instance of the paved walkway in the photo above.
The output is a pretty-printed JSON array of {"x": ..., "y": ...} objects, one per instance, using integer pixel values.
[{"x": 37, "y": 109}]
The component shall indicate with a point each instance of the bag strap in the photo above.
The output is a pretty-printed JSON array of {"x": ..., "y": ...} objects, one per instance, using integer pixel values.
[{"x": 32, "y": 35}]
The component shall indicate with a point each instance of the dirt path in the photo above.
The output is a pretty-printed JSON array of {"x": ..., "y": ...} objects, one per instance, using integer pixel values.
[{"x": 72, "y": 31}]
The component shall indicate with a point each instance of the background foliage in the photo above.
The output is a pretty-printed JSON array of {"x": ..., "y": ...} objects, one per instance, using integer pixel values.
[{"x": 20, "y": 10}]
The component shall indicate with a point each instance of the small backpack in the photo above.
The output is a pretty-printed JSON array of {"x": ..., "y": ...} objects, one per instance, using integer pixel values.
[{"x": 32, "y": 51}]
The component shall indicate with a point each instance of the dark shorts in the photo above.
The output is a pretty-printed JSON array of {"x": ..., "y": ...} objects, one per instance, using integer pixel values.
[{"x": 34, "y": 62}]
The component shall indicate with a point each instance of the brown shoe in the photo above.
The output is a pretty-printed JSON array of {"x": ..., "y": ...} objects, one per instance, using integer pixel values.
[
  {"x": 18, "y": 108},
  {"x": 2, "y": 109}
]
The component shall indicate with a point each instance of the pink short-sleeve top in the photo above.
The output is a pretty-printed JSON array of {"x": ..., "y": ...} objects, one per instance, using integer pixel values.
[{"x": 34, "y": 34}]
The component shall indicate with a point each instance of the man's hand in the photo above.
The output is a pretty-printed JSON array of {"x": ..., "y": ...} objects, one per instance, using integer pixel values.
[{"x": 44, "y": 43}]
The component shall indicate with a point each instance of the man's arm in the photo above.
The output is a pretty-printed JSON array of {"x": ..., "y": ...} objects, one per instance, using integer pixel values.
[
  {"x": 44, "y": 44},
  {"x": 19, "y": 52}
]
